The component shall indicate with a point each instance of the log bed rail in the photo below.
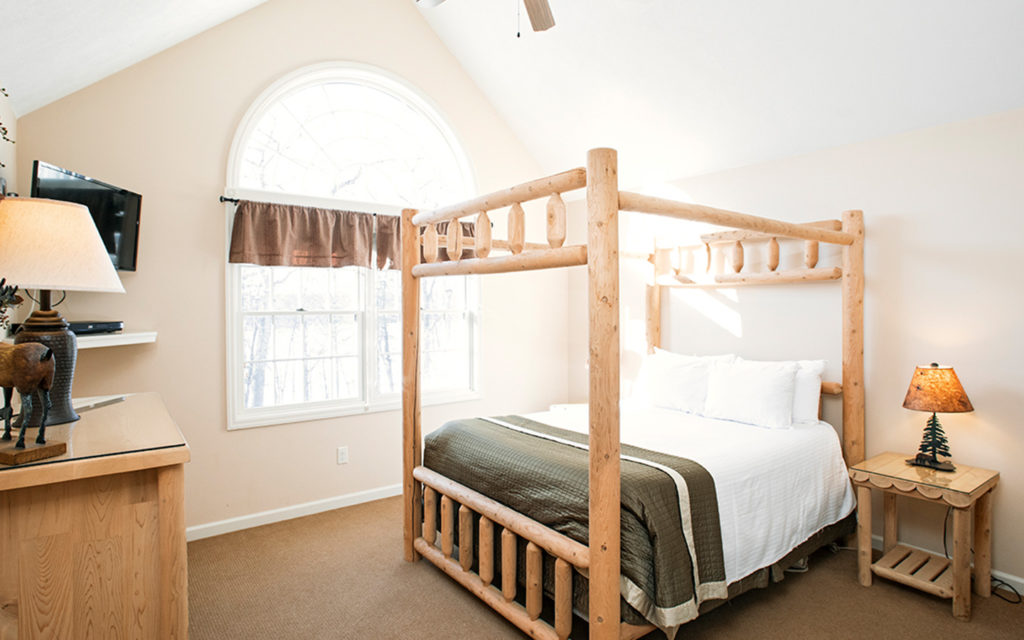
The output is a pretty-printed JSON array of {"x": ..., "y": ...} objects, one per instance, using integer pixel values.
[{"x": 464, "y": 550}]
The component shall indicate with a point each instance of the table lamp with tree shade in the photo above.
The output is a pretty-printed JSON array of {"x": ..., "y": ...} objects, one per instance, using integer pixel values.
[
  {"x": 53, "y": 245},
  {"x": 936, "y": 389}
]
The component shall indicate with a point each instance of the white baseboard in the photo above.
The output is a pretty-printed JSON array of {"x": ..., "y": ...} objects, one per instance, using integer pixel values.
[
  {"x": 200, "y": 531},
  {"x": 1015, "y": 581}
]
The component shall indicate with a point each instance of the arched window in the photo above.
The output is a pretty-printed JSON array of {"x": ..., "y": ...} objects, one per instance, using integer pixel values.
[{"x": 306, "y": 343}]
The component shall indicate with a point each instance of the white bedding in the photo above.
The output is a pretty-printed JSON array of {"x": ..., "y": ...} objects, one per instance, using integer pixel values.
[{"x": 775, "y": 487}]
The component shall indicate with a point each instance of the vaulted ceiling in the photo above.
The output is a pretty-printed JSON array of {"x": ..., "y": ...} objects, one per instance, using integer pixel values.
[
  {"x": 51, "y": 48},
  {"x": 683, "y": 87},
  {"x": 680, "y": 87}
]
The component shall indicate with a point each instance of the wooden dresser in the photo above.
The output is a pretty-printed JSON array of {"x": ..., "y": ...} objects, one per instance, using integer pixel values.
[{"x": 92, "y": 543}]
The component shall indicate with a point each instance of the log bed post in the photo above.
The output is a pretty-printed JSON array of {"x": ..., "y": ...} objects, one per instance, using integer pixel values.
[
  {"x": 603, "y": 303},
  {"x": 853, "y": 338},
  {"x": 653, "y": 316},
  {"x": 411, "y": 453}
]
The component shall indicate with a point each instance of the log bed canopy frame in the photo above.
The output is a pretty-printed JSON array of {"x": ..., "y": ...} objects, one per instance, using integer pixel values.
[{"x": 599, "y": 560}]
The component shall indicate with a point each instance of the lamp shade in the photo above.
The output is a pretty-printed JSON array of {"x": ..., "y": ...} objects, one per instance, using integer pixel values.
[
  {"x": 49, "y": 244},
  {"x": 936, "y": 389}
]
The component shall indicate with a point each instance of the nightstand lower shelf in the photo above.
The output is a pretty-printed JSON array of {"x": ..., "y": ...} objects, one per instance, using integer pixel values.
[{"x": 915, "y": 568}]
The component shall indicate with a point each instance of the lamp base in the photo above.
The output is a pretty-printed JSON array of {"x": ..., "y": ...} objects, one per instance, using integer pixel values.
[
  {"x": 47, "y": 327},
  {"x": 922, "y": 460}
]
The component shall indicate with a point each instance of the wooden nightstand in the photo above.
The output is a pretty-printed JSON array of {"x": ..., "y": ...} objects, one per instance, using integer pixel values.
[{"x": 968, "y": 490}]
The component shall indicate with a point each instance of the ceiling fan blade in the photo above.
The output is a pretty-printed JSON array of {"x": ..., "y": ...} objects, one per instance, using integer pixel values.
[{"x": 540, "y": 14}]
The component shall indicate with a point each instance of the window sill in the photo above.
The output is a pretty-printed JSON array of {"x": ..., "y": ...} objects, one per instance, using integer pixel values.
[{"x": 306, "y": 413}]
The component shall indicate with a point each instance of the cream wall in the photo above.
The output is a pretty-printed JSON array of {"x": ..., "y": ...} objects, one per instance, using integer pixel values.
[
  {"x": 942, "y": 208},
  {"x": 163, "y": 128}
]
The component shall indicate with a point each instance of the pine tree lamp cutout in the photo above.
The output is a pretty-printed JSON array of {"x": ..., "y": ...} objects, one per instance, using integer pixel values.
[{"x": 935, "y": 389}]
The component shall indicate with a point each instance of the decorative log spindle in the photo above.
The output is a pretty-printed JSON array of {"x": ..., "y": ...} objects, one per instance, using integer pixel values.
[
  {"x": 516, "y": 228},
  {"x": 447, "y": 526},
  {"x": 508, "y": 565},
  {"x": 482, "y": 241},
  {"x": 662, "y": 263},
  {"x": 707, "y": 265},
  {"x": 486, "y": 553},
  {"x": 429, "y": 515},
  {"x": 534, "y": 592},
  {"x": 773, "y": 254},
  {"x": 454, "y": 245},
  {"x": 465, "y": 538},
  {"x": 430, "y": 243},
  {"x": 563, "y": 599},
  {"x": 737, "y": 257},
  {"x": 810, "y": 254},
  {"x": 556, "y": 221},
  {"x": 685, "y": 260}
]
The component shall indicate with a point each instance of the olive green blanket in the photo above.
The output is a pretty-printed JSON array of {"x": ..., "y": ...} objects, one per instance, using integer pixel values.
[{"x": 671, "y": 537}]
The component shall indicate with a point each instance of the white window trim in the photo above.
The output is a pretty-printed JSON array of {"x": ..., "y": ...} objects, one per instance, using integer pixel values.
[{"x": 237, "y": 416}]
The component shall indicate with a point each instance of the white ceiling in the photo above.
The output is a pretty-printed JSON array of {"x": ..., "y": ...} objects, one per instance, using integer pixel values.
[
  {"x": 683, "y": 87},
  {"x": 679, "y": 87},
  {"x": 51, "y": 48}
]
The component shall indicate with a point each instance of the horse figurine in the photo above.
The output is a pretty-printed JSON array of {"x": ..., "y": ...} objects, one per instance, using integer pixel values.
[{"x": 29, "y": 368}]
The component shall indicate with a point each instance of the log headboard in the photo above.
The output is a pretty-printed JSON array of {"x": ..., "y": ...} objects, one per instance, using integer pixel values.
[{"x": 737, "y": 244}]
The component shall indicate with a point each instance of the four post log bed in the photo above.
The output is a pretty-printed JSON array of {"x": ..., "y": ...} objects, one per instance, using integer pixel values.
[{"x": 467, "y": 515}]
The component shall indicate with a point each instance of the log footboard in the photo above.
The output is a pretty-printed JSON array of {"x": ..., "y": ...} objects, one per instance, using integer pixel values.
[{"x": 453, "y": 554}]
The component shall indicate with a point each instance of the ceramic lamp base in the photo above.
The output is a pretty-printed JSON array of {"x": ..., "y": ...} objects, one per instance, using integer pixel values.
[{"x": 47, "y": 327}]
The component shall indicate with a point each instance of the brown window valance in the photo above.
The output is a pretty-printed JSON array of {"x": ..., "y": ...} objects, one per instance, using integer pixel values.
[
  {"x": 275, "y": 235},
  {"x": 269, "y": 234},
  {"x": 389, "y": 242}
]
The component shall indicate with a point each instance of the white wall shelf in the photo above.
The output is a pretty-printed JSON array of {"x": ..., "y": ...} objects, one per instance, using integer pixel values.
[
  {"x": 97, "y": 340},
  {"x": 120, "y": 339}
]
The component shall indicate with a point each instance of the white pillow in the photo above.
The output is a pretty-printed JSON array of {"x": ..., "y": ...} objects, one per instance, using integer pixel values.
[
  {"x": 807, "y": 390},
  {"x": 758, "y": 393},
  {"x": 675, "y": 381}
]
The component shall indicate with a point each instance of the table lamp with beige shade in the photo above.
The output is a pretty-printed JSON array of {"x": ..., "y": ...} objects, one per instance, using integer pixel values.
[
  {"x": 936, "y": 389},
  {"x": 53, "y": 245}
]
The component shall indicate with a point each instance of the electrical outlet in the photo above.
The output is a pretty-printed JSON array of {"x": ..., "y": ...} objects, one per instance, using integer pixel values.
[{"x": 342, "y": 455}]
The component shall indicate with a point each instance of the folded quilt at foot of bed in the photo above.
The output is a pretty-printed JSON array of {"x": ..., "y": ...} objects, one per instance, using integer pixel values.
[{"x": 672, "y": 557}]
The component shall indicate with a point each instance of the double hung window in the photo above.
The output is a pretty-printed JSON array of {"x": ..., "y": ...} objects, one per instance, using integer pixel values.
[{"x": 317, "y": 342}]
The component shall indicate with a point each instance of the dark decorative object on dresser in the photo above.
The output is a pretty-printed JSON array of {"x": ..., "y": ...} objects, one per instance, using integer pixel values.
[{"x": 29, "y": 368}]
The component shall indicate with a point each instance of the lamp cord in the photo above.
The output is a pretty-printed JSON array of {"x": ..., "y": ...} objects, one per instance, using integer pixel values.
[
  {"x": 996, "y": 582},
  {"x": 64, "y": 294}
]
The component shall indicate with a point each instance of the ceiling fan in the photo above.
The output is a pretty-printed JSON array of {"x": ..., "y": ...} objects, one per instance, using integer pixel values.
[{"x": 538, "y": 10}]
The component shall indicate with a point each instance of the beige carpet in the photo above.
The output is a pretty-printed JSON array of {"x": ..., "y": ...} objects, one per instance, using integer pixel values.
[{"x": 341, "y": 574}]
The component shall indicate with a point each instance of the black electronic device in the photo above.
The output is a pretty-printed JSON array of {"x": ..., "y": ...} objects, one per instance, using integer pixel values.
[
  {"x": 85, "y": 327},
  {"x": 114, "y": 210}
]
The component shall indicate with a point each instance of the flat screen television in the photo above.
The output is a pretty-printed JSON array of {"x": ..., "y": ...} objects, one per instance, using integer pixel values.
[{"x": 114, "y": 210}]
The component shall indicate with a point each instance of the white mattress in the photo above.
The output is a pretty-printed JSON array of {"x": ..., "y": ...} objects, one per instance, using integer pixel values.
[{"x": 776, "y": 487}]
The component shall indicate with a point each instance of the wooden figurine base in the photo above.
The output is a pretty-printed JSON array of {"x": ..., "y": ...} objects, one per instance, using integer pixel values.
[
  {"x": 31, "y": 452},
  {"x": 931, "y": 463}
]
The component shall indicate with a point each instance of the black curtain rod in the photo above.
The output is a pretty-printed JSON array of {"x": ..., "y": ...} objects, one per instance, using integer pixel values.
[{"x": 236, "y": 201}]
